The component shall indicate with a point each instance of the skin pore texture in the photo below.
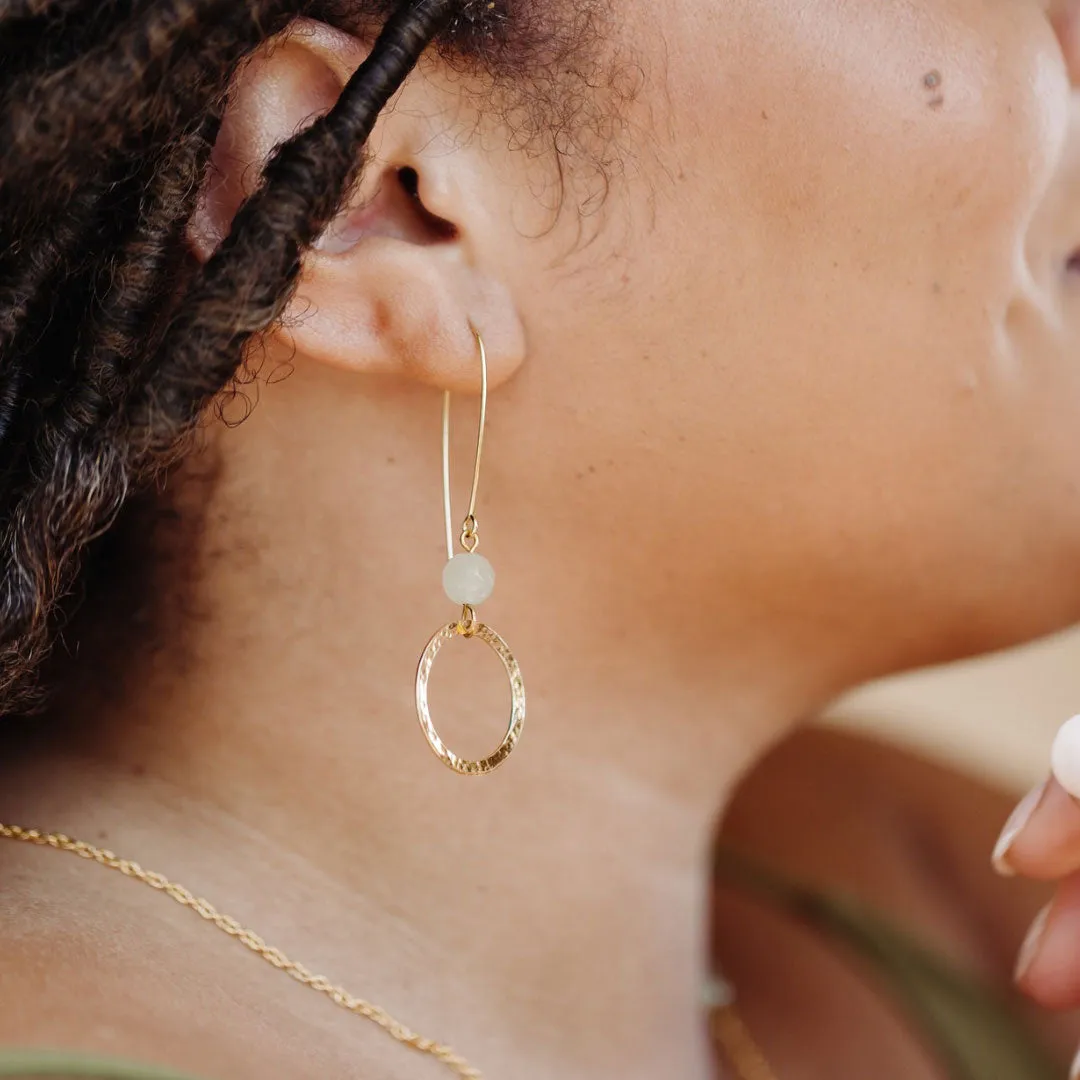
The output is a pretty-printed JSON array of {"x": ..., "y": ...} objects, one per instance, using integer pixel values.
[{"x": 794, "y": 406}]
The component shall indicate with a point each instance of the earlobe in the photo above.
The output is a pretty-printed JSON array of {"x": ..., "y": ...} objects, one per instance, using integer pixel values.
[
  {"x": 395, "y": 285},
  {"x": 391, "y": 306}
]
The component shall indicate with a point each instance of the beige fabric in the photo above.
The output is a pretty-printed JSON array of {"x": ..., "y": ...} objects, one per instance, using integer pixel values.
[{"x": 995, "y": 717}]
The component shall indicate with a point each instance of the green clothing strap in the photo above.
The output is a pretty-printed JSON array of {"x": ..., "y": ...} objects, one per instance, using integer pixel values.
[
  {"x": 22, "y": 1064},
  {"x": 972, "y": 1029}
]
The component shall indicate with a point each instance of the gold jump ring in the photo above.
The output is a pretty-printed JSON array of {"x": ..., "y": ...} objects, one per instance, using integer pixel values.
[{"x": 462, "y": 765}]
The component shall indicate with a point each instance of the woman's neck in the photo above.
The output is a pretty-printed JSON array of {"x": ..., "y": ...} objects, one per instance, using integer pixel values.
[
  {"x": 549, "y": 919},
  {"x": 552, "y": 916}
]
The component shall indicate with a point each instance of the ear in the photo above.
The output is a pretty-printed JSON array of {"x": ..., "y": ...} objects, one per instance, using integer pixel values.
[{"x": 396, "y": 281}]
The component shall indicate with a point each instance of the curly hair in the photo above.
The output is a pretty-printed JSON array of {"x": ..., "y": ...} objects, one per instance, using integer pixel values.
[{"x": 114, "y": 340}]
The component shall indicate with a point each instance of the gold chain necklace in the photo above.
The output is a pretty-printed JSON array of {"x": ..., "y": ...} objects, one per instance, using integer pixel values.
[
  {"x": 203, "y": 908},
  {"x": 732, "y": 1037},
  {"x": 737, "y": 1045}
]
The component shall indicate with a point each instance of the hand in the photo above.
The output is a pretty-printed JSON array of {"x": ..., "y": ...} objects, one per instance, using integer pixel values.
[{"x": 1042, "y": 840}]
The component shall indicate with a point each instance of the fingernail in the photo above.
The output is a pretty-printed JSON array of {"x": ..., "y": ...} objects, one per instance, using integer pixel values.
[
  {"x": 1016, "y": 824},
  {"x": 1030, "y": 949},
  {"x": 1065, "y": 756},
  {"x": 1074, "y": 1072}
]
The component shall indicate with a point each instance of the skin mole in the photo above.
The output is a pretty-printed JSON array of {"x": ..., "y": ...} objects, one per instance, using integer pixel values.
[{"x": 932, "y": 81}]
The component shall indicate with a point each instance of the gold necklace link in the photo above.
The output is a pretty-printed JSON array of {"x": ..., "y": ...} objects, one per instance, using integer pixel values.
[
  {"x": 248, "y": 938},
  {"x": 737, "y": 1045}
]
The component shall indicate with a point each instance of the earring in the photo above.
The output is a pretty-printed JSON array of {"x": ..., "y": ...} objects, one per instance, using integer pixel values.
[{"x": 468, "y": 580}]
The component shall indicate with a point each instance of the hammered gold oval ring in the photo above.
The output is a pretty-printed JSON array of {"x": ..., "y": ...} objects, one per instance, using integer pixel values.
[{"x": 517, "y": 707}]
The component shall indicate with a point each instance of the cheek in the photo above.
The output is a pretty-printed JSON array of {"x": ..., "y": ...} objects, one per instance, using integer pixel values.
[
  {"x": 897, "y": 130},
  {"x": 857, "y": 186},
  {"x": 858, "y": 182},
  {"x": 824, "y": 306}
]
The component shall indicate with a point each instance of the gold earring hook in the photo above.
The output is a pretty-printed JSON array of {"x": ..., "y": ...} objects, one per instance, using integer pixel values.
[
  {"x": 470, "y": 538},
  {"x": 468, "y": 580}
]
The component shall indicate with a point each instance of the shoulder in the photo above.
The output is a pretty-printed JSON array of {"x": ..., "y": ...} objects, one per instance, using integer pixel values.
[
  {"x": 905, "y": 834},
  {"x": 911, "y": 839}
]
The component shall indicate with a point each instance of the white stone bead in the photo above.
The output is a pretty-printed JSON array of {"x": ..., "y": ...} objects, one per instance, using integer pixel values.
[
  {"x": 1065, "y": 756},
  {"x": 468, "y": 579}
]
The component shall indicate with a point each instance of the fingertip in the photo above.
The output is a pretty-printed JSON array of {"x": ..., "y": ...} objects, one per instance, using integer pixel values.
[
  {"x": 1014, "y": 827},
  {"x": 1042, "y": 839},
  {"x": 1046, "y": 969},
  {"x": 1032, "y": 945}
]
